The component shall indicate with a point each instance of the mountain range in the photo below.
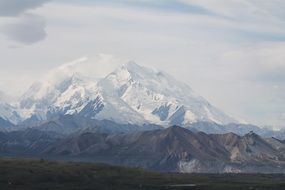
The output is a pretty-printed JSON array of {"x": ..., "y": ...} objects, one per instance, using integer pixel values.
[
  {"x": 124, "y": 118},
  {"x": 172, "y": 149},
  {"x": 131, "y": 95}
]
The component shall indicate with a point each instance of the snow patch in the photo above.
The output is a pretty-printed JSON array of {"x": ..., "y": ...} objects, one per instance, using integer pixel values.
[{"x": 191, "y": 166}]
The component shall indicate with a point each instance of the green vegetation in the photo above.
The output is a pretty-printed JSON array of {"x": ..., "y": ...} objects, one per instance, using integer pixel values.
[{"x": 42, "y": 175}]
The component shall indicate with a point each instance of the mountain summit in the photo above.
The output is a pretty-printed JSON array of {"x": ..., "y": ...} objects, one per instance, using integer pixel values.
[
  {"x": 131, "y": 94},
  {"x": 157, "y": 97}
]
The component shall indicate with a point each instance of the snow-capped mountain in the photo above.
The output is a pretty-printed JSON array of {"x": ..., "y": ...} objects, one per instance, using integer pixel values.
[
  {"x": 69, "y": 95},
  {"x": 156, "y": 97},
  {"x": 7, "y": 111},
  {"x": 130, "y": 94}
]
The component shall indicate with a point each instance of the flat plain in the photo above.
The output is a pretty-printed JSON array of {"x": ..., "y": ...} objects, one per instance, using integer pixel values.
[{"x": 28, "y": 174}]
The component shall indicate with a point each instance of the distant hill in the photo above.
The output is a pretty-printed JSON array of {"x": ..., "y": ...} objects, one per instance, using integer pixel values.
[{"x": 172, "y": 149}]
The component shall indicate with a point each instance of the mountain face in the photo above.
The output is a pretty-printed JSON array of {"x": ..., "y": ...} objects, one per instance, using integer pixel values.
[
  {"x": 69, "y": 96},
  {"x": 177, "y": 149},
  {"x": 156, "y": 97},
  {"x": 129, "y": 95},
  {"x": 27, "y": 142},
  {"x": 8, "y": 113},
  {"x": 173, "y": 149},
  {"x": 5, "y": 125},
  {"x": 70, "y": 124}
]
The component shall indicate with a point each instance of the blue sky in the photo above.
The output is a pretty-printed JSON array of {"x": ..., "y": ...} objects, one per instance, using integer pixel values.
[{"x": 231, "y": 52}]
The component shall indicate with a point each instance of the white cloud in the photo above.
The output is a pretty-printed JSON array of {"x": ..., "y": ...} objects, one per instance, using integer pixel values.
[{"x": 97, "y": 66}]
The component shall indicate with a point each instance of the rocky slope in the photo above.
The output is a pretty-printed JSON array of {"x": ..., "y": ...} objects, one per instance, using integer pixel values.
[
  {"x": 8, "y": 113},
  {"x": 176, "y": 149},
  {"x": 172, "y": 149}
]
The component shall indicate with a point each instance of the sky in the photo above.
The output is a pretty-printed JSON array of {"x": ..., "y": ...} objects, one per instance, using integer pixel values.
[{"x": 231, "y": 52}]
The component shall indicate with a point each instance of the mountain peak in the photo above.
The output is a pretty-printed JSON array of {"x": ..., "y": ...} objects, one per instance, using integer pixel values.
[
  {"x": 132, "y": 70},
  {"x": 131, "y": 65},
  {"x": 177, "y": 129},
  {"x": 140, "y": 71},
  {"x": 130, "y": 94},
  {"x": 251, "y": 134}
]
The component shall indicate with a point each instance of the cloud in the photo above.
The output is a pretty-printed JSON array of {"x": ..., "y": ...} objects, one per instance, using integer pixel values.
[
  {"x": 27, "y": 29},
  {"x": 97, "y": 66},
  {"x": 23, "y": 27},
  {"x": 16, "y": 7}
]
